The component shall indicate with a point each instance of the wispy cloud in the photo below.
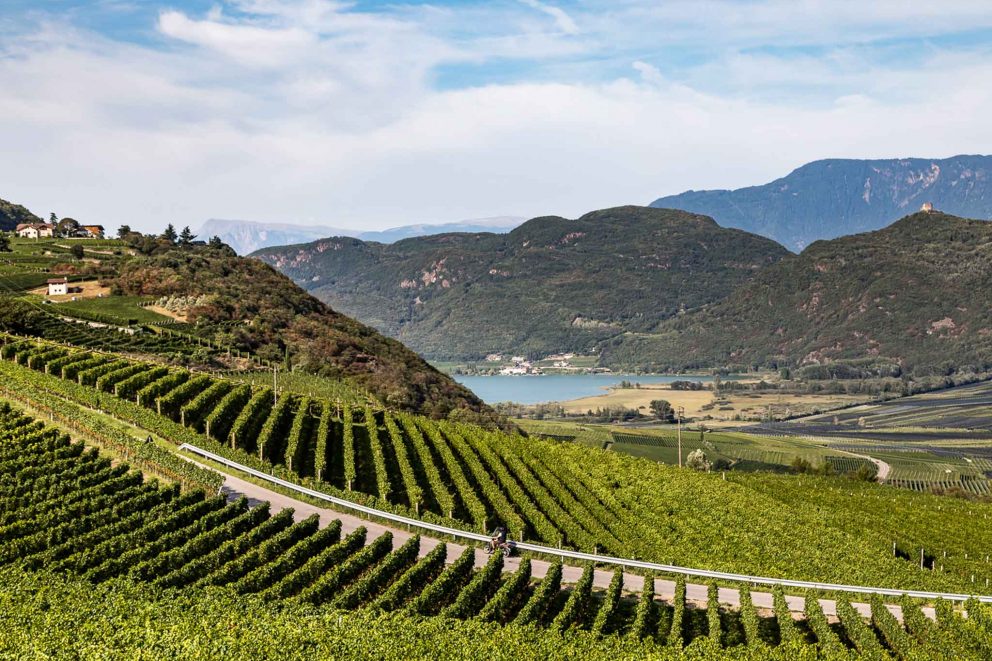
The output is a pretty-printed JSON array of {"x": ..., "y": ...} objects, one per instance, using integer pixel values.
[
  {"x": 562, "y": 20},
  {"x": 332, "y": 112}
]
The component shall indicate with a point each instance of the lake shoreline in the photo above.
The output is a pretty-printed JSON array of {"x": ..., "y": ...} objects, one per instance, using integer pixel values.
[{"x": 530, "y": 389}]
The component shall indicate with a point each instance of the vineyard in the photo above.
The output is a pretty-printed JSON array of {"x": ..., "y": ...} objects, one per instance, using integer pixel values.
[
  {"x": 70, "y": 512},
  {"x": 544, "y": 491},
  {"x": 736, "y": 452},
  {"x": 82, "y": 333}
]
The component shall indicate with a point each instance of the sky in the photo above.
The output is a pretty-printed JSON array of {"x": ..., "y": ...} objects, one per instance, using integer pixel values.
[{"x": 367, "y": 115}]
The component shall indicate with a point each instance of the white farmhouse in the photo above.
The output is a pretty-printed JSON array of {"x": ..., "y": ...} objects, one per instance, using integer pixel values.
[
  {"x": 35, "y": 230},
  {"x": 58, "y": 287}
]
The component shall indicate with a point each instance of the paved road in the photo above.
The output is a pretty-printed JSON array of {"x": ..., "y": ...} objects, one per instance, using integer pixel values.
[{"x": 696, "y": 594}]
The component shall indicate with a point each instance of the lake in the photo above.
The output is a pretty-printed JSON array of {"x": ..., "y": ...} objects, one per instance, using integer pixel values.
[{"x": 534, "y": 389}]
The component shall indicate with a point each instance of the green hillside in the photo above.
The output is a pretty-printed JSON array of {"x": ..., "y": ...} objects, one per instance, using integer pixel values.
[
  {"x": 831, "y": 529},
  {"x": 552, "y": 284},
  {"x": 912, "y": 297},
  {"x": 11, "y": 215},
  {"x": 96, "y": 556},
  {"x": 84, "y": 538},
  {"x": 230, "y": 308}
]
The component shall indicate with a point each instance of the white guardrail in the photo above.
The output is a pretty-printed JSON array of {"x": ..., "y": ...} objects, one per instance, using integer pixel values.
[{"x": 577, "y": 555}]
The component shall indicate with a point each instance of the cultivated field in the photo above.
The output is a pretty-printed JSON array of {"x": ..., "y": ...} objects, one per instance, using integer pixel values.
[{"x": 729, "y": 408}]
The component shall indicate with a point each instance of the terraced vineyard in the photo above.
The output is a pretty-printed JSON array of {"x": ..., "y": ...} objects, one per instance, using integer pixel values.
[
  {"x": 544, "y": 491},
  {"x": 67, "y": 510},
  {"x": 108, "y": 338}
]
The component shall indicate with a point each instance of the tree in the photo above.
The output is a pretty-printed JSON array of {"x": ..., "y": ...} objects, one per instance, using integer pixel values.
[
  {"x": 67, "y": 227},
  {"x": 697, "y": 460},
  {"x": 4, "y": 242},
  {"x": 76, "y": 250},
  {"x": 866, "y": 473},
  {"x": 662, "y": 409},
  {"x": 215, "y": 242},
  {"x": 53, "y": 219},
  {"x": 170, "y": 234},
  {"x": 123, "y": 231},
  {"x": 18, "y": 316},
  {"x": 186, "y": 237}
]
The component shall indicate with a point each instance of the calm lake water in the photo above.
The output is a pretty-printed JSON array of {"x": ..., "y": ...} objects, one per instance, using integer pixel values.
[{"x": 533, "y": 389}]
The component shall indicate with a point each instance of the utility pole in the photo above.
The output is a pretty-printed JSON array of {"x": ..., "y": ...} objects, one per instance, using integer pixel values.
[
  {"x": 680, "y": 411},
  {"x": 275, "y": 389}
]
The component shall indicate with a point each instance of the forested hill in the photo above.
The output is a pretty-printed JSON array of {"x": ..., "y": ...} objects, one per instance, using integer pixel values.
[
  {"x": 252, "y": 306},
  {"x": 830, "y": 198},
  {"x": 914, "y": 295},
  {"x": 552, "y": 284},
  {"x": 11, "y": 215}
]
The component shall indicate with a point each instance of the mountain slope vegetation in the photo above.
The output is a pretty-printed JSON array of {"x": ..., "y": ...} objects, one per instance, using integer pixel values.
[
  {"x": 552, "y": 284},
  {"x": 830, "y": 198},
  {"x": 226, "y": 308},
  {"x": 912, "y": 296},
  {"x": 281, "y": 321},
  {"x": 11, "y": 215}
]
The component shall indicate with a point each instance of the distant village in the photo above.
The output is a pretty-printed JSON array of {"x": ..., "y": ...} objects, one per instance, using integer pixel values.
[{"x": 520, "y": 365}]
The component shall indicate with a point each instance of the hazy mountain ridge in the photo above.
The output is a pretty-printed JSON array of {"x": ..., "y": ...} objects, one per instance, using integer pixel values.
[
  {"x": 913, "y": 295},
  {"x": 835, "y": 197},
  {"x": 247, "y": 236},
  {"x": 552, "y": 284}
]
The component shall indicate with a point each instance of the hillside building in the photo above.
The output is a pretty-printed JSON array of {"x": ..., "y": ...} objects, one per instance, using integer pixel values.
[
  {"x": 927, "y": 207},
  {"x": 35, "y": 230},
  {"x": 91, "y": 231},
  {"x": 58, "y": 287}
]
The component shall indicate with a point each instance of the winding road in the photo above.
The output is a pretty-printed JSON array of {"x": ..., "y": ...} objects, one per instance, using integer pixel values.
[
  {"x": 883, "y": 468},
  {"x": 696, "y": 594}
]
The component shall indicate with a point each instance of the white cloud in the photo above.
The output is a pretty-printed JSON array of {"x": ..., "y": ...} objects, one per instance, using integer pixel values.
[
  {"x": 246, "y": 44},
  {"x": 563, "y": 21},
  {"x": 317, "y": 111},
  {"x": 649, "y": 73}
]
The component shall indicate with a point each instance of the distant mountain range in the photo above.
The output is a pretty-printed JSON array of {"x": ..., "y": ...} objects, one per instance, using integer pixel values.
[
  {"x": 247, "y": 236},
  {"x": 835, "y": 197},
  {"x": 552, "y": 284},
  {"x": 913, "y": 296}
]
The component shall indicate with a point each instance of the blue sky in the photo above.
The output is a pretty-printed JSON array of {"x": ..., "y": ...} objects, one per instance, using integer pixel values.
[{"x": 375, "y": 114}]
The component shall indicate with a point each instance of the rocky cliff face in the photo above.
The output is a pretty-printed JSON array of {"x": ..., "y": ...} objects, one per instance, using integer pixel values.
[{"x": 831, "y": 198}]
